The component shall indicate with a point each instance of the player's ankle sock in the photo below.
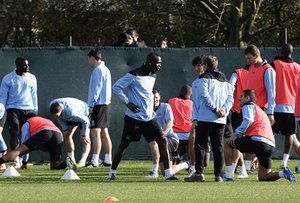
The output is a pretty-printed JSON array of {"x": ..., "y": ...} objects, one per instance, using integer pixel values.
[
  {"x": 155, "y": 168},
  {"x": 112, "y": 172},
  {"x": 95, "y": 158},
  {"x": 248, "y": 165},
  {"x": 243, "y": 170},
  {"x": 107, "y": 158},
  {"x": 168, "y": 173},
  {"x": 285, "y": 160},
  {"x": 71, "y": 155},
  {"x": 84, "y": 156}
]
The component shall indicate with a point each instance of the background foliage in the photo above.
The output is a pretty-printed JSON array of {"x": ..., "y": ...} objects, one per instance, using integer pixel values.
[{"x": 184, "y": 23}]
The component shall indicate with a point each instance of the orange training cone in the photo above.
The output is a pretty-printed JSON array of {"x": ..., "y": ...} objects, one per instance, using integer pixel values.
[{"x": 111, "y": 199}]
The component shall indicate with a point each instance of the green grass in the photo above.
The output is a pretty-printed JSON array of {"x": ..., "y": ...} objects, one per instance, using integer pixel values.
[{"x": 39, "y": 184}]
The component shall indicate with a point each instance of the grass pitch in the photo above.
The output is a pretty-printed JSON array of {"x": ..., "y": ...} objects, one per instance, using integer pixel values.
[{"x": 40, "y": 184}]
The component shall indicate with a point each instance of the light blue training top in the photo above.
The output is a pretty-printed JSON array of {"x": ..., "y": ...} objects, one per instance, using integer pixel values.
[
  {"x": 99, "y": 86},
  {"x": 19, "y": 92},
  {"x": 73, "y": 110},
  {"x": 212, "y": 91},
  {"x": 164, "y": 114},
  {"x": 140, "y": 87}
]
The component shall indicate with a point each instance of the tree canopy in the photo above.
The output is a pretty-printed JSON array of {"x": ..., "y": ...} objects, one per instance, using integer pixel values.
[{"x": 183, "y": 23}]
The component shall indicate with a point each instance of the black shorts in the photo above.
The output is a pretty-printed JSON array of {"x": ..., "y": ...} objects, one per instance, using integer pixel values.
[
  {"x": 46, "y": 140},
  {"x": 236, "y": 120},
  {"x": 100, "y": 117},
  {"x": 262, "y": 150},
  {"x": 285, "y": 123},
  {"x": 17, "y": 117},
  {"x": 73, "y": 123},
  {"x": 228, "y": 128},
  {"x": 3, "y": 119},
  {"x": 134, "y": 129}
]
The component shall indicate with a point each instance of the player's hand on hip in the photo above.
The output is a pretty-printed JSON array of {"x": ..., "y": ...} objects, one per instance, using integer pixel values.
[{"x": 133, "y": 107}]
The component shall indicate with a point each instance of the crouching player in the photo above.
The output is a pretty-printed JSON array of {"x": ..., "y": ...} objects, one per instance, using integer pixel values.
[
  {"x": 254, "y": 135},
  {"x": 39, "y": 134}
]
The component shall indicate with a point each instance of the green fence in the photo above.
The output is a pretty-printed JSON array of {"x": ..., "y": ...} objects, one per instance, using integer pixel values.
[{"x": 64, "y": 72}]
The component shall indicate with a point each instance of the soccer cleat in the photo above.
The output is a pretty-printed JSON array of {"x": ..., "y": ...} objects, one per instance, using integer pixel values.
[
  {"x": 241, "y": 175},
  {"x": 172, "y": 178},
  {"x": 195, "y": 178},
  {"x": 105, "y": 164},
  {"x": 112, "y": 177},
  {"x": 152, "y": 175},
  {"x": 17, "y": 165},
  {"x": 70, "y": 163},
  {"x": 219, "y": 179},
  {"x": 191, "y": 171},
  {"x": 289, "y": 175},
  {"x": 2, "y": 166},
  {"x": 250, "y": 171},
  {"x": 225, "y": 179},
  {"x": 297, "y": 169},
  {"x": 92, "y": 165},
  {"x": 80, "y": 164}
]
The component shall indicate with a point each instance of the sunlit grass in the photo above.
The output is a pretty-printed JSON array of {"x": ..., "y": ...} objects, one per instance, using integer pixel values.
[{"x": 39, "y": 184}]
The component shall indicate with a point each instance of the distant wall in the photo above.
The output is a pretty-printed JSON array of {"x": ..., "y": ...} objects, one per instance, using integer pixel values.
[{"x": 64, "y": 72}]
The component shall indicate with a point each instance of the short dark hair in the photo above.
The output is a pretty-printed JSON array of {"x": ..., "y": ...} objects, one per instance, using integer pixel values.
[
  {"x": 198, "y": 60},
  {"x": 253, "y": 50},
  {"x": 251, "y": 94},
  {"x": 184, "y": 91},
  {"x": 211, "y": 62},
  {"x": 95, "y": 53},
  {"x": 19, "y": 61},
  {"x": 154, "y": 91},
  {"x": 151, "y": 56},
  {"x": 286, "y": 49},
  {"x": 54, "y": 108}
]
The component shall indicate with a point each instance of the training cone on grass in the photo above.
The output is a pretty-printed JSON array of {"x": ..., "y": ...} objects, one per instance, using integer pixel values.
[
  {"x": 70, "y": 175},
  {"x": 111, "y": 199},
  {"x": 11, "y": 171}
]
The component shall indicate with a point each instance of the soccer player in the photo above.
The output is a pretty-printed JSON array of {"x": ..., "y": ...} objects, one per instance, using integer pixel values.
[
  {"x": 18, "y": 93},
  {"x": 238, "y": 79},
  {"x": 165, "y": 118},
  {"x": 198, "y": 64},
  {"x": 261, "y": 79},
  {"x": 139, "y": 116},
  {"x": 212, "y": 104},
  {"x": 182, "y": 110},
  {"x": 99, "y": 99},
  {"x": 39, "y": 134},
  {"x": 71, "y": 113},
  {"x": 255, "y": 135},
  {"x": 287, "y": 73}
]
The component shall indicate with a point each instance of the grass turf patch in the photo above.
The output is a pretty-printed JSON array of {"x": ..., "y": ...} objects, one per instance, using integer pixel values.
[{"x": 39, "y": 184}]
